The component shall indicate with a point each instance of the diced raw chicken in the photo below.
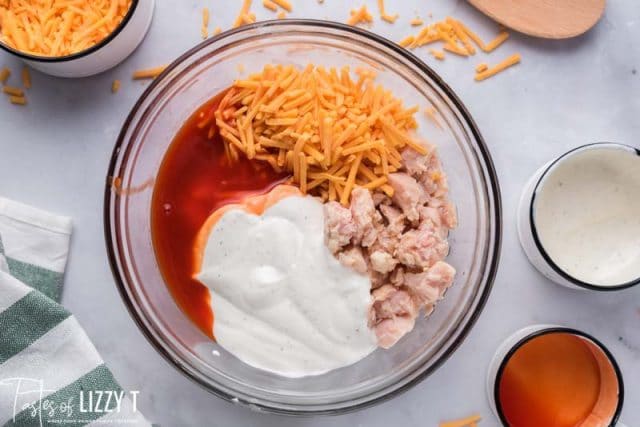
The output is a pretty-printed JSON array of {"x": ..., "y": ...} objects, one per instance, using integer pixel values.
[
  {"x": 397, "y": 277},
  {"x": 422, "y": 247},
  {"x": 339, "y": 226},
  {"x": 448, "y": 215},
  {"x": 415, "y": 163},
  {"x": 389, "y": 331},
  {"x": 394, "y": 217},
  {"x": 429, "y": 213},
  {"x": 390, "y": 301},
  {"x": 382, "y": 262},
  {"x": 408, "y": 194},
  {"x": 380, "y": 199},
  {"x": 353, "y": 258},
  {"x": 428, "y": 287},
  {"x": 363, "y": 212}
]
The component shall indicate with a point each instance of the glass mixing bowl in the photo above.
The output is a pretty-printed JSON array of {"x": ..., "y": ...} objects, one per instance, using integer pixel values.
[{"x": 205, "y": 71}]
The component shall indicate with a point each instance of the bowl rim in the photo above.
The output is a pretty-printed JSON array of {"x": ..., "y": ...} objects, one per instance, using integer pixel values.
[
  {"x": 492, "y": 186},
  {"x": 533, "y": 226},
  {"x": 82, "y": 53}
]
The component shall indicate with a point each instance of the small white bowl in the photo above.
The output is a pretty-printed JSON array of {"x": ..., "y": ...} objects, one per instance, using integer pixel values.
[
  {"x": 102, "y": 56},
  {"x": 528, "y": 234},
  {"x": 514, "y": 342}
]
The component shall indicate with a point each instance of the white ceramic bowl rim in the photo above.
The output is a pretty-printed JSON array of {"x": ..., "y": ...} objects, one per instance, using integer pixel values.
[
  {"x": 534, "y": 231},
  {"x": 82, "y": 53},
  {"x": 551, "y": 330}
]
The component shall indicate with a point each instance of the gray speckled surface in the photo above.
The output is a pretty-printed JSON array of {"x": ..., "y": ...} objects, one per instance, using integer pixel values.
[{"x": 54, "y": 154}]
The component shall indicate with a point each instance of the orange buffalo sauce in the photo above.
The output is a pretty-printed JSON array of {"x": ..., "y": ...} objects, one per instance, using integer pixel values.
[
  {"x": 194, "y": 180},
  {"x": 558, "y": 380}
]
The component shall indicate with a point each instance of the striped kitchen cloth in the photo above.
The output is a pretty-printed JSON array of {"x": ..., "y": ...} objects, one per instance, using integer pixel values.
[{"x": 50, "y": 373}]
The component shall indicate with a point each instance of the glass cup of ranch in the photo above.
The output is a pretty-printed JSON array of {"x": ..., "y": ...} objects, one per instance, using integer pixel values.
[
  {"x": 554, "y": 376},
  {"x": 579, "y": 218}
]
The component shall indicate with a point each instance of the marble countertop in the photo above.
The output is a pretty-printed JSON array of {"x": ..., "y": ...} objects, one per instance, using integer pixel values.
[{"x": 54, "y": 155}]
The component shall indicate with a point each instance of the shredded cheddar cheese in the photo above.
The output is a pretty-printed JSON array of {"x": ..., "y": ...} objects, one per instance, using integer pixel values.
[
  {"x": 493, "y": 44},
  {"x": 205, "y": 23},
  {"x": 464, "y": 422},
  {"x": 510, "y": 61},
  {"x": 438, "y": 54},
  {"x": 432, "y": 114},
  {"x": 282, "y": 14},
  {"x": 481, "y": 67},
  {"x": 270, "y": 5},
  {"x": 150, "y": 73},
  {"x": 416, "y": 22},
  {"x": 244, "y": 10},
  {"x": 26, "y": 77},
  {"x": 5, "y": 73},
  {"x": 284, "y": 4},
  {"x": 115, "y": 86},
  {"x": 14, "y": 91},
  {"x": 61, "y": 27},
  {"x": 330, "y": 131},
  {"x": 217, "y": 31},
  {"x": 18, "y": 100},
  {"x": 384, "y": 15},
  {"x": 360, "y": 16}
]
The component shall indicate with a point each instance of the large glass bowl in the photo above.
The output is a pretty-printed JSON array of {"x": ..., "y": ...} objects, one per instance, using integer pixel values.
[{"x": 205, "y": 71}]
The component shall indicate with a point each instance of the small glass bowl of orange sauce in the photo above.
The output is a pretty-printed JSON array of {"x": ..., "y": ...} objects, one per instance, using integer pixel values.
[{"x": 554, "y": 376}]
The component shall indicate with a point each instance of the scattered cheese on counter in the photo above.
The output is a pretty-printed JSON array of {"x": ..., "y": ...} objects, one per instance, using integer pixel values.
[
  {"x": 150, "y": 73},
  {"x": 5, "y": 73},
  {"x": 18, "y": 100},
  {"x": 270, "y": 5},
  {"x": 26, "y": 77},
  {"x": 244, "y": 10},
  {"x": 416, "y": 22},
  {"x": 510, "y": 61},
  {"x": 14, "y": 91},
  {"x": 284, "y": 4},
  {"x": 493, "y": 44},
  {"x": 464, "y": 422},
  {"x": 360, "y": 16},
  {"x": 282, "y": 14},
  {"x": 115, "y": 86},
  {"x": 205, "y": 23},
  {"x": 438, "y": 54},
  {"x": 481, "y": 67}
]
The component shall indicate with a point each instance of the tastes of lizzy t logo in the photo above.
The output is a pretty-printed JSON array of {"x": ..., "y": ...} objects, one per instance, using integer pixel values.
[{"x": 33, "y": 401}]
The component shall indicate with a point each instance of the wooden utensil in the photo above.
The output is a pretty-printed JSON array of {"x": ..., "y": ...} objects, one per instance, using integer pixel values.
[{"x": 551, "y": 19}]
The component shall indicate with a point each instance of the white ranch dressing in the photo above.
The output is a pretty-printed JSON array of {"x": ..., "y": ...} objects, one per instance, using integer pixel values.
[
  {"x": 281, "y": 301},
  {"x": 587, "y": 215}
]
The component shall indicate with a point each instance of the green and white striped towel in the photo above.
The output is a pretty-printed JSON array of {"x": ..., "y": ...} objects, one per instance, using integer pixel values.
[{"x": 50, "y": 373}]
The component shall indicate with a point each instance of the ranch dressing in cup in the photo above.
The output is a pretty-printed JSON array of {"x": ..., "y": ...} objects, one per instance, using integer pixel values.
[{"x": 579, "y": 218}]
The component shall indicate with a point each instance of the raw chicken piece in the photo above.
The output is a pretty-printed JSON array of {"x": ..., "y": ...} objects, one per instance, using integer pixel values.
[
  {"x": 380, "y": 199},
  {"x": 394, "y": 217},
  {"x": 353, "y": 258},
  {"x": 448, "y": 215},
  {"x": 422, "y": 247},
  {"x": 397, "y": 277},
  {"x": 382, "y": 261},
  {"x": 389, "y": 331},
  {"x": 339, "y": 226},
  {"x": 429, "y": 213},
  {"x": 408, "y": 194},
  {"x": 415, "y": 163},
  {"x": 363, "y": 212},
  {"x": 428, "y": 287},
  {"x": 390, "y": 301}
]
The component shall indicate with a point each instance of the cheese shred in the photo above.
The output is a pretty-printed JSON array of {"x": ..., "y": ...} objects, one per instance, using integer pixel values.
[
  {"x": 26, "y": 77},
  {"x": 115, "y": 86},
  {"x": 18, "y": 100},
  {"x": 5, "y": 73},
  {"x": 471, "y": 421},
  {"x": 149, "y": 73},
  {"x": 205, "y": 23},
  {"x": 510, "y": 61}
]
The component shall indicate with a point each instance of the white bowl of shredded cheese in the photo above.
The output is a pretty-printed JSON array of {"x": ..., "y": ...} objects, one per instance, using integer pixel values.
[{"x": 69, "y": 43}]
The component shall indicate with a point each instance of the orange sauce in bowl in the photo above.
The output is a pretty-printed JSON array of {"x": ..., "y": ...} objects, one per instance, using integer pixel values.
[
  {"x": 194, "y": 180},
  {"x": 558, "y": 380}
]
